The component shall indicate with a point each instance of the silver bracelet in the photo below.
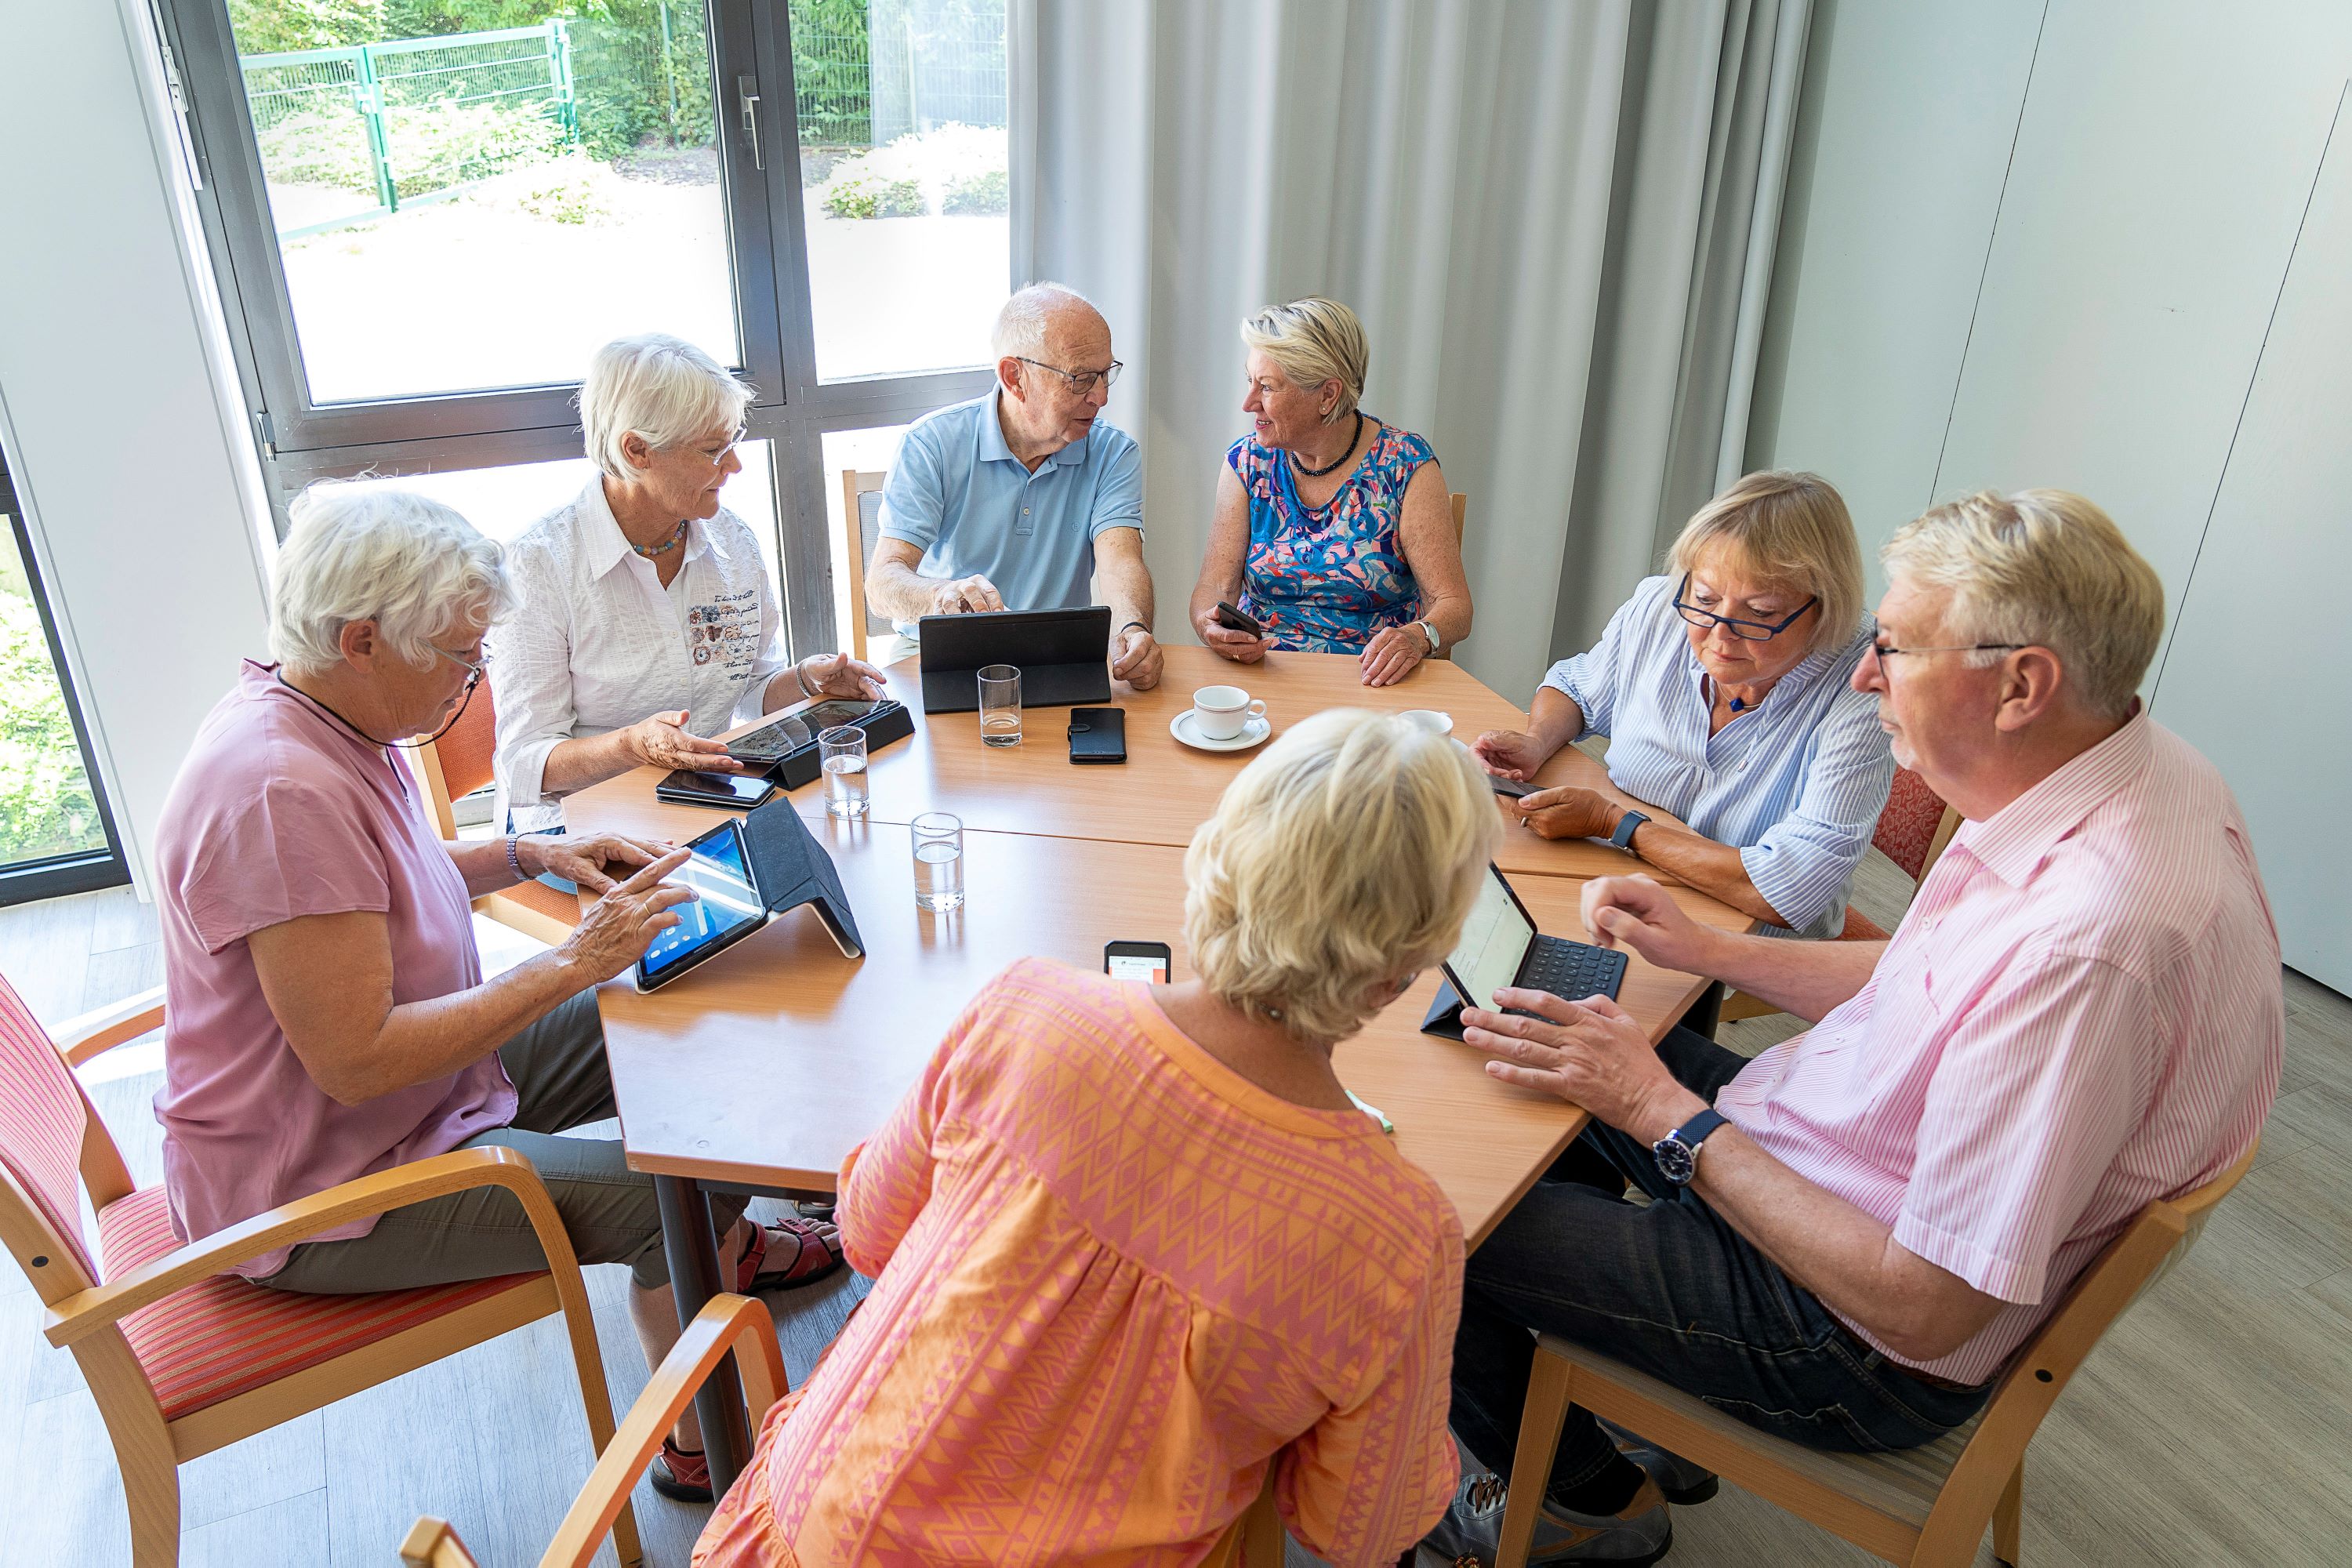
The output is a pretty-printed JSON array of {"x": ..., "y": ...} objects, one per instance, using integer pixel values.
[
  {"x": 515, "y": 859},
  {"x": 801, "y": 675}
]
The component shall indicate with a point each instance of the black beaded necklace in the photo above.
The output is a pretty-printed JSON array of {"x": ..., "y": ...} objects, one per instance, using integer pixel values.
[{"x": 1305, "y": 472}]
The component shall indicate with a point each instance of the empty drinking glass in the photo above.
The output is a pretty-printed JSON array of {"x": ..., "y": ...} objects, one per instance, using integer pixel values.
[
  {"x": 842, "y": 753},
  {"x": 939, "y": 861},
  {"x": 999, "y": 705}
]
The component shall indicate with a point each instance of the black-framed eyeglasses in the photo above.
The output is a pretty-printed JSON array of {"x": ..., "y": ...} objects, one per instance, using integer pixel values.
[
  {"x": 1752, "y": 631},
  {"x": 1884, "y": 651},
  {"x": 1082, "y": 382},
  {"x": 475, "y": 669}
]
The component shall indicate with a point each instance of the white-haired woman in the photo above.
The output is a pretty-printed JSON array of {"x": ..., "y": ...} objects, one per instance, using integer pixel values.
[
  {"x": 326, "y": 1015},
  {"x": 1333, "y": 530},
  {"x": 645, "y": 624},
  {"x": 1723, "y": 687},
  {"x": 1153, "y": 1213}
]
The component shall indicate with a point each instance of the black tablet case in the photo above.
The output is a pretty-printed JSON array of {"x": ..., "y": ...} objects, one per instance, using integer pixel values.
[
  {"x": 1444, "y": 1013},
  {"x": 791, "y": 868},
  {"x": 891, "y": 722}
]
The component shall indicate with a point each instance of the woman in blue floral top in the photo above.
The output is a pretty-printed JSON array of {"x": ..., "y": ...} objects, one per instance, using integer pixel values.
[{"x": 1333, "y": 529}]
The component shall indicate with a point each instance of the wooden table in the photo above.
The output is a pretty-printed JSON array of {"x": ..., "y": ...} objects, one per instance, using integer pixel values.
[{"x": 764, "y": 1067}]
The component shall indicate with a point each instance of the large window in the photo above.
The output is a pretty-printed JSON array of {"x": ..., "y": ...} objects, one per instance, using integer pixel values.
[
  {"x": 54, "y": 834},
  {"x": 426, "y": 214}
]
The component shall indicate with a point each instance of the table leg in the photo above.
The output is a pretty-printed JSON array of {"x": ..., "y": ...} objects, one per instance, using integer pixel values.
[
  {"x": 692, "y": 1248},
  {"x": 1704, "y": 1014}
]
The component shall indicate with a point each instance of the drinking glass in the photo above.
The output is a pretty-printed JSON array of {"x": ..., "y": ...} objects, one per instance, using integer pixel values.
[
  {"x": 999, "y": 705},
  {"x": 842, "y": 753},
  {"x": 939, "y": 861}
]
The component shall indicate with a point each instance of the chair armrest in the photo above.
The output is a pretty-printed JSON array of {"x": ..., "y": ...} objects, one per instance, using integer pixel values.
[
  {"x": 726, "y": 1322},
  {"x": 87, "y": 1312},
  {"x": 434, "y": 1544},
  {"x": 102, "y": 1029}
]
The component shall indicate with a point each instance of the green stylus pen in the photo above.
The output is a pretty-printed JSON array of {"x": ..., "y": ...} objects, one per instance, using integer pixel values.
[{"x": 1374, "y": 1111}]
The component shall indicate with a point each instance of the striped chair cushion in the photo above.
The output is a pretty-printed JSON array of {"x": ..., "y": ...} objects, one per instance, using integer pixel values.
[
  {"x": 1908, "y": 824},
  {"x": 41, "y": 1122},
  {"x": 224, "y": 1336}
]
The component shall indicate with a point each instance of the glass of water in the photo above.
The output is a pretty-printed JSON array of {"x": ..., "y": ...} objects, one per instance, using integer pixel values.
[
  {"x": 939, "y": 861},
  {"x": 841, "y": 752},
  {"x": 999, "y": 705}
]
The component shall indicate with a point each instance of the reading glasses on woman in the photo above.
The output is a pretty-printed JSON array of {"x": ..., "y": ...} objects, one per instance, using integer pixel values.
[{"x": 1753, "y": 631}]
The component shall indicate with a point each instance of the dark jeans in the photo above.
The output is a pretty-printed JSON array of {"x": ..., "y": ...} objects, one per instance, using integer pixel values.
[{"x": 1672, "y": 1288}]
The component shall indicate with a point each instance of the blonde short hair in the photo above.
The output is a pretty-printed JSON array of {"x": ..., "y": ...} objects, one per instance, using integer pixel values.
[
  {"x": 1787, "y": 528},
  {"x": 658, "y": 387},
  {"x": 2041, "y": 569},
  {"x": 1346, "y": 855},
  {"x": 359, "y": 552},
  {"x": 1314, "y": 341}
]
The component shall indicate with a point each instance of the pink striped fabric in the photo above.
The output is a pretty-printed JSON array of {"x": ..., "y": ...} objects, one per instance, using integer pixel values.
[
  {"x": 41, "y": 1122},
  {"x": 2080, "y": 1014}
]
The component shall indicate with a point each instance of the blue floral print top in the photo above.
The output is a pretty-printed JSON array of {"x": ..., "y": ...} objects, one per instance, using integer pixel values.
[{"x": 1324, "y": 579}]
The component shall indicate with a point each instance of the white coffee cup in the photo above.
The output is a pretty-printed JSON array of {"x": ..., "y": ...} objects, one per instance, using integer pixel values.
[
  {"x": 1431, "y": 720},
  {"x": 1223, "y": 712}
]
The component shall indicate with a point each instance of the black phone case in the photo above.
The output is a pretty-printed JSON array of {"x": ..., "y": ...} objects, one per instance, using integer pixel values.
[
  {"x": 677, "y": 797},
  {"x": 1234, "y": 618},
  {"x": 1097, "y": 734}
]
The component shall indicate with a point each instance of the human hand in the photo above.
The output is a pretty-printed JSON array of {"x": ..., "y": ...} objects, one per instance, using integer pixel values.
[
  {"x": 1568, "y": 812},
  {"x": 1391, "y": 655},
  {"x": 1511, "y": 753},
  {"x": 972, "y": 592},
  {"x": 1135, "y": 657},
  {"x": 1635, "y": 914},
  {"x": 662, "y": 741},
  {"x": 620, "y": 926},
  {"x": 1225, "y": 642},
  {"x": 1589, "y": 1053},
  {"x": 838, "y": 675},
  {"x": 587, "y": 859}
]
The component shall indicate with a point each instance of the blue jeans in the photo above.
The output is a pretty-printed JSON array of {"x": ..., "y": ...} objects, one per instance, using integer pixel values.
[{"x": 1672, "y": 1288}]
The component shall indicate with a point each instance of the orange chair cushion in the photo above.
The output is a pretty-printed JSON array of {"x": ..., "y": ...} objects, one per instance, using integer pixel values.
[{"x": 226, "y": 1336}]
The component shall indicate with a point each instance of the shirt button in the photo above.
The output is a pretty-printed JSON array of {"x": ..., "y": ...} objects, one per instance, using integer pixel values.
[{"x": 1024, "y": 512}]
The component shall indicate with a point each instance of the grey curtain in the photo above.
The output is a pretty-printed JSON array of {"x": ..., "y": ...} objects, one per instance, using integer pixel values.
[{"x": 1555, "y": 217}]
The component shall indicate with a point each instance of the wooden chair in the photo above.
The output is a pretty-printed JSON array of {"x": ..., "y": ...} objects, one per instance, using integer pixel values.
[
  {"x": 741, "y": 1324},
  {"x": 1912, "y": 832},
  {"x": 1460, "y": 516},
  {"x": 183, "y": 1358},
  {"x": 1925, "y": 1507},
  {"x": 457, "y": 764},
  {"x": 861, "y": 527}
]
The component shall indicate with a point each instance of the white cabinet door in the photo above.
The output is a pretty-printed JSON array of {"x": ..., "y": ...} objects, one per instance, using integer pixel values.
[{"x": 2258, "y": 674}]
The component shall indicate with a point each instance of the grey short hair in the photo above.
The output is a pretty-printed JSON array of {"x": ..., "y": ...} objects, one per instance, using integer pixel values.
[
  {"x": 1027, "y": 317},
  {"x": 359, "y": 552},
  {"x": 2041, "y": 569},
  {"x": 658, "y": 387},
  {"x": 1314, "y": 341}
]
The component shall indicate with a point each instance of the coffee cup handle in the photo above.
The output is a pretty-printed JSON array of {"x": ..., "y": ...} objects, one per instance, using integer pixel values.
[{"x": 1257, "y": 710}]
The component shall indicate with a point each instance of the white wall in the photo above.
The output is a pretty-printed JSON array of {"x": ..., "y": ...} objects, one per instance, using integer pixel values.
[
  {"x": 139, "y": 491},
  {"x": 2035, "y": 244}
]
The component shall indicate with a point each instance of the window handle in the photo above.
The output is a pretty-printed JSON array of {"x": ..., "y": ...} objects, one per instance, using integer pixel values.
[{"x": 747, "y": 103}]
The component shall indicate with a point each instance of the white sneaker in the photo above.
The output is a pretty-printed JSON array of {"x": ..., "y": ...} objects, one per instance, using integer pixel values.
[{"x": 1639, "y": 1533}]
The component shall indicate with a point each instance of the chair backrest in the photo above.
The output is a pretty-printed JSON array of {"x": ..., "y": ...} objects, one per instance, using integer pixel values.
[
  {"x": 861, "y": 513},
  {"x": 45, "y": 1121},
  {"x": 434, "y": 1544},
  {"x": 1460, "y": 516},
  {"x": 460, "y": 761},
  {"x": 1911, "y": 830}
]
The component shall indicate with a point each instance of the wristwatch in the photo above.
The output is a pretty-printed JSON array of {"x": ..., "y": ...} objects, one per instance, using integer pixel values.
[
  {"x": 1429, "y": 631},
  {"x": 1677, "y": 1152},
  {"x": 1624, "y": 838}
]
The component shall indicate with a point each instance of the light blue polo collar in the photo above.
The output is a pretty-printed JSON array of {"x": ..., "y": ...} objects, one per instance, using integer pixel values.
[{"x": 994, "y": 449}]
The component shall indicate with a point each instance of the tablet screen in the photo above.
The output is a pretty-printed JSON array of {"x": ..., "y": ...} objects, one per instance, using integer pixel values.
[
  {"x": 1494, "y": 940},
  {"x": 727, "y": 901}
]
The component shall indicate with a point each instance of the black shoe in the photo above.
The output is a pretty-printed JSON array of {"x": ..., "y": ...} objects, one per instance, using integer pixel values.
[
  {"x": 1683, "y": 1482},
  {"x": 1636, "y": 1535}
]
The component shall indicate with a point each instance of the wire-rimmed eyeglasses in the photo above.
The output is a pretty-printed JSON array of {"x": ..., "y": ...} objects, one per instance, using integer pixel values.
[
  {"x": 1082, "y": 382},
  {"x": 1752, "y": 631},
  {"x": 1883, "y": 651},
  {"x": 475, "y": 668}
]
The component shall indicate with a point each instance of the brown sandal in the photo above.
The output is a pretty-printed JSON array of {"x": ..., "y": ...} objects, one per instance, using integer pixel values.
[{"x": 816, "y": 1254}]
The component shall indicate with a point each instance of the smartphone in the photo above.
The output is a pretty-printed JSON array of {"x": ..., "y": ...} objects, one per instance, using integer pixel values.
[
  {"x": 1238, "y": 620},
  {"x": 1511, "y": 787},
  {"x": 1146, "y": 960},
  {"x": 1097, "y": 735},
  {"x": 739, "y": 791}
]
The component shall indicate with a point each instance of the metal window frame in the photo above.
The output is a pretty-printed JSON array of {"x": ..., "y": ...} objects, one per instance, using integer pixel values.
[
  {"x": 300, "y": 441},
  {"x": 54, "y": 876}
]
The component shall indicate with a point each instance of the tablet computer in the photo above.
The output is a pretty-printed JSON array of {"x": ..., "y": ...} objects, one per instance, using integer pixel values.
[{"x": 727, "y": 908}]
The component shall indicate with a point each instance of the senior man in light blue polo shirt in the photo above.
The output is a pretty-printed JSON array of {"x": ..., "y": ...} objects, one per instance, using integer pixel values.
[{"x": 1021, "y": 499}]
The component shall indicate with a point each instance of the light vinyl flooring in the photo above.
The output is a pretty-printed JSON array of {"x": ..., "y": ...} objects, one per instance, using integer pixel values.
[{"x": 2214, "y": 1425}]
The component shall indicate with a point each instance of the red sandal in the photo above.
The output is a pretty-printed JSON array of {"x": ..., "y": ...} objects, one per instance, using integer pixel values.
[{"x": 816, "y": 1254}]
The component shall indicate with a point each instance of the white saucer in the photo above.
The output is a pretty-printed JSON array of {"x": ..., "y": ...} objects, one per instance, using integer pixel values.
[{"x": 1253, "y": 733}]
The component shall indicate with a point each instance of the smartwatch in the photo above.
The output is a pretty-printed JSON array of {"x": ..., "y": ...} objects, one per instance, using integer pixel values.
[
  {"x": 1624, "y": 838},
  {"x": 1677, "y": 1152}
]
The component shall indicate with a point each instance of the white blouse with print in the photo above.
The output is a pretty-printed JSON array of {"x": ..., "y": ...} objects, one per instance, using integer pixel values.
[{"x": 597, "y": 642}]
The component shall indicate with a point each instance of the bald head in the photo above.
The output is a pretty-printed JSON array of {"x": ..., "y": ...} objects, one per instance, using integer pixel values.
[{"x": 1044, "y": 319}]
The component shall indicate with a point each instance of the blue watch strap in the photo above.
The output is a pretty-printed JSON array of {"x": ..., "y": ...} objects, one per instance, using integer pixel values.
[
  {"x": 1694, "y": 1132},
  {"x": 1622, "y": 838}
]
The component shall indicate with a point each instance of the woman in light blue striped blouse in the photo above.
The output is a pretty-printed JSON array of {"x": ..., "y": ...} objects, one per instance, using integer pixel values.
[{"x": 1724, "y": 688}]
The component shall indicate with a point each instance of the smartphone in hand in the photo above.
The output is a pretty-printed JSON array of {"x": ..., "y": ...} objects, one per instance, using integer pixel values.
[{"x": 1237, "y": 620}]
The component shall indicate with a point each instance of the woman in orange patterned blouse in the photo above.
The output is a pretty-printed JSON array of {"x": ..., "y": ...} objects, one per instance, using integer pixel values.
[{"x": 1134, "y": 1245}]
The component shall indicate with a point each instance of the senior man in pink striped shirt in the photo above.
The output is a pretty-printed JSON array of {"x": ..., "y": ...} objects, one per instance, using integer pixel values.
[{"x": 1849, "y": 1235}]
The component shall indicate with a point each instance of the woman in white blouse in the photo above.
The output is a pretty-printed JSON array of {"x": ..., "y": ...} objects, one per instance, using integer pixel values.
[{"x": 645, "y": 624}]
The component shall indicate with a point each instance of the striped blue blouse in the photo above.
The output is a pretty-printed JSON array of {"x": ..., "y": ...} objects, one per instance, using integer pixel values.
[{"x": 1797, "y": 785}]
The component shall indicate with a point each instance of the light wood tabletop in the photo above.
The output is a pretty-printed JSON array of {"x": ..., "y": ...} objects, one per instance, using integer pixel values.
[
  {"x": 1165, "y": 789},
  {"x": 767, "y": 1064}
]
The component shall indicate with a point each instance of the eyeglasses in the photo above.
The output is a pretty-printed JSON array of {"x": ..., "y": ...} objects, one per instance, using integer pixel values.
[
  {"x": 1752, "y": 631},
  {"x": 732, "y": 442},
  {"x": 1082, "y": 382},
  {"x": 1883, "y": 652},
  {"x": 474, "y": 670}
]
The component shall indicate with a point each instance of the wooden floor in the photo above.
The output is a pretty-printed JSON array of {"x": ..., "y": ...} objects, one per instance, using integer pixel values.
[{"x": 2213, "y": 1426}]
